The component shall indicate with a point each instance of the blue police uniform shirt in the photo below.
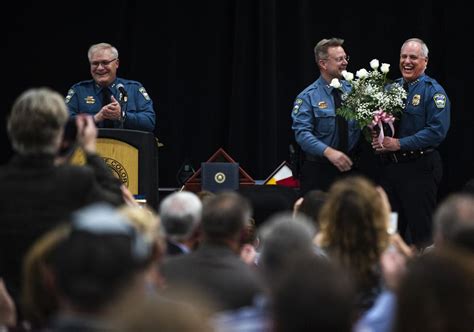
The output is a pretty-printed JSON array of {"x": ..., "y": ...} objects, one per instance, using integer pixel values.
[
  {"x": 86, "y": 97},
  {"x": 425, "y": 120},
  {"x": 314, "y": 119}
]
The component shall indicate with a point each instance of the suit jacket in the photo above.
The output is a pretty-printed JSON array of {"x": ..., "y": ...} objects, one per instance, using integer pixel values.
[
  {"x": 36, "y": 195},
  {"x": 215, "y": 271}
]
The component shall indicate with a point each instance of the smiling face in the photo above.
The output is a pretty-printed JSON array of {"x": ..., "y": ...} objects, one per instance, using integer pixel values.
[
  {"x": 334, "y": 64},
  {"x": 412, "y": 61},
  {"x": 103, "y": 67}
]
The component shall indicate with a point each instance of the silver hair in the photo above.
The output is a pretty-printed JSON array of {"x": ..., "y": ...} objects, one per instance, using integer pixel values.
[
  {"x": 424, "y": 48},
  {"x": 36, "y": 121},
  {"x": 100, "y": 47},
  {"x": 454, "y": 213},
  {"x": 180, "y": 214}
]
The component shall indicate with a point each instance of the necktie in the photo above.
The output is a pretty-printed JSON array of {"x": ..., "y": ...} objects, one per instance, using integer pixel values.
[
  {"x": 396, "y": 124},
  {"x": 105, "y": 101},
  {"x": 342, "y": 128},
  {"x": 105, "y": 96}
]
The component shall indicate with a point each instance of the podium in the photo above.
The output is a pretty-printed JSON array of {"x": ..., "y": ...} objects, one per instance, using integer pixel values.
[{"x": 132, "y": 156}]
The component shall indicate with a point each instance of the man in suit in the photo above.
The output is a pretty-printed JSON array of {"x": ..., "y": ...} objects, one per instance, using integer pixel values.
[
  {"x": 37, "y": 193},
  {"x": 215, "y": 268},
  {"x": 180, "y": 214}
]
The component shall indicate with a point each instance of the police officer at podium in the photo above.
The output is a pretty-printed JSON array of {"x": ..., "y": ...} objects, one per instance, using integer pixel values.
[{"x": 114, "y": 102}]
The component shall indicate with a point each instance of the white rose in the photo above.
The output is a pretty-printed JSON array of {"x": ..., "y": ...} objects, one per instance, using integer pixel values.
[
  {"x": 348, "y": 76},
  {"x": 374, "y": 64},
  {"x": 385, "y": 68},
  {"x": 335, "y": 83},
  {"x": 362, "y": 73}
]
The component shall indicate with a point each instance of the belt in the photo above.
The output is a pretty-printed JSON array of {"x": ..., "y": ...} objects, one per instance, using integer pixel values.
[
  {"x": 310, "y": 157},
  {"x": 404, "y": 156}
]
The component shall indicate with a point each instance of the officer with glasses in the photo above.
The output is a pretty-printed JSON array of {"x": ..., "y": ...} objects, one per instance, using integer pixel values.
[
  {"x": 113, "y": 101},
  {"x": 327, "y": 140}
]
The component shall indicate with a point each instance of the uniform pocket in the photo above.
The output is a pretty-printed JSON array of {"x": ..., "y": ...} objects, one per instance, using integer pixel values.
[{"x": 325, "y": 121}]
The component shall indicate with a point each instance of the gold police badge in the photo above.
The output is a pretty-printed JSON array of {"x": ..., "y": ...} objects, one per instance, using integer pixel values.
[
  {"x": 416, "y": 100},
  {"x": 89, "y": 100},
  {"x": 322, "y": 105}
]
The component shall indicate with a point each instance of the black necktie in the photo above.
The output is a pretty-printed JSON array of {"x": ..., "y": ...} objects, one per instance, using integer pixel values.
[
  {"x": 396, "y": 124},
  {"x": 341, "y": 122},
  {"x": 106, "y": 99},
  {"x": 106, "y": 96}
]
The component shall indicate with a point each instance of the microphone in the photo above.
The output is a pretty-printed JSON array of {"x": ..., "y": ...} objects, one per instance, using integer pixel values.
[{"x": 123, "y": 92}]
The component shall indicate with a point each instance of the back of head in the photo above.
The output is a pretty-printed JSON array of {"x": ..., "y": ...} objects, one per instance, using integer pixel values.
[
  {"x": 99, "y": 259},
  {"x": 437, "y": 293},
  {"x": 36, "y": 121},
  {"x": 354, "y": 222},
  {"x": 38, "y": 300},
  {"x": 452, "y": 216},
  {"x": 283, "y": 238},
  {"x": 224, "y": 216},
  {"x": 180, "y": 214},
  {"x": 313, "y": 296}
]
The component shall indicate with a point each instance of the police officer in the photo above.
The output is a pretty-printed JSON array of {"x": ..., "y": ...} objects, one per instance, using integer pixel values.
[
  {"x": 318, "y": 131},
  {"x": 114, "y": 102},
  {"x": 412, "y": 167}
]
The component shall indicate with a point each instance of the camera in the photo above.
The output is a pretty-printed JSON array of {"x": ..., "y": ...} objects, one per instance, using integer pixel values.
[{"x": 68, "y": 143}]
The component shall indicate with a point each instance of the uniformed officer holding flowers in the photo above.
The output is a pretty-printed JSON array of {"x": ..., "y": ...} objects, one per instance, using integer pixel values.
[
  {"x": 114, "y": 102},
  {"x": 412, "y": 167}
]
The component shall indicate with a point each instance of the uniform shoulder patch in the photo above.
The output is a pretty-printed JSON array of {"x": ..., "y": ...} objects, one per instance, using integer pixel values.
[
  {"x": 144, "y": 93},
  {"x": 70, "y": 93},
  {"x": 440, "y": 100}
]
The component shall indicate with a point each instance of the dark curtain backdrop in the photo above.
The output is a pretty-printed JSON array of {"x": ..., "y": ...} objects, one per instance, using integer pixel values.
[{"x": 225, "y": 73}]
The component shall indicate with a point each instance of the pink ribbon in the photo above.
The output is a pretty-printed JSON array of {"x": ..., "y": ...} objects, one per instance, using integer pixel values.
[{"x": 381, "y": 117}]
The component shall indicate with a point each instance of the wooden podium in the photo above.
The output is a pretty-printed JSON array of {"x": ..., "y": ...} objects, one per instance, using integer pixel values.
[
  {"x": 132, "y": 156},
  {"x": 194, "y": 182}
]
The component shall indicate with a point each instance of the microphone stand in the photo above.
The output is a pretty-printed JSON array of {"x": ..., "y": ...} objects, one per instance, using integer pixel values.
[{"x": 123, "y": 109}]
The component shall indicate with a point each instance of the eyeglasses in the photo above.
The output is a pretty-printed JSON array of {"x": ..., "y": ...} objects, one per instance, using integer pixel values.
[
  {"x": 342, "y": 58},
  {"x": 104, "y": 63}
]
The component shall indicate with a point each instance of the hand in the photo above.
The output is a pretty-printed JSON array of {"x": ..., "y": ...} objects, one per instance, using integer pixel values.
[
  {"x": 112, "y": 111},
  {"x": 388, "y": 144},
  {"x": 86, "y": 132},
  {"x": 7, "y": 307},
  {"x": 338, "y": 159},
  {"x": 297, "y": 206}
]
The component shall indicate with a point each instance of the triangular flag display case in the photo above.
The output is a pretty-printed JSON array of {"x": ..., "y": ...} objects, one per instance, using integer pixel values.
[
  {"x": 282, "y": 176},
  {"x": 193, "y": 184}
]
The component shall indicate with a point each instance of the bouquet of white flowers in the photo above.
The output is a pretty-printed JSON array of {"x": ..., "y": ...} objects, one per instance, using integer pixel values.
[{"x": 373, "y": 102}]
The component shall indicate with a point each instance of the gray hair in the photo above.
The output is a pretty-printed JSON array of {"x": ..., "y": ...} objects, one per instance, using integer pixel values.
[
  {"x": 282, "y": 238},
  {"x": 424, "y": 48},
  {"x": 36, "y": 121},
  {"x": 101, "y": 47},
  {"x": 453, "y": 214},
  {"x": 321, "y": 48},
  {"x": 180, "y": 214}
]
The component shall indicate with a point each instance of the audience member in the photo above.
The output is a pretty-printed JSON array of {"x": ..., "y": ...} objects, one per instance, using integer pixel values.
[
  {"x": 37, "y": 194},
  {"x": 313, "y": 295},
  {"x": 102, "y": 262},
  {"x": 354, "y": 234},
  {"x": 282, "y": 238},
  {"x": 215, "y": 268},
  {"x": 454, "y": 216},
  {"x": 39, "y": 301},
  {"x": 148, "y": 224},
  {"x": 181, "y": 214},
  {"x": 437, "y": 293}
]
